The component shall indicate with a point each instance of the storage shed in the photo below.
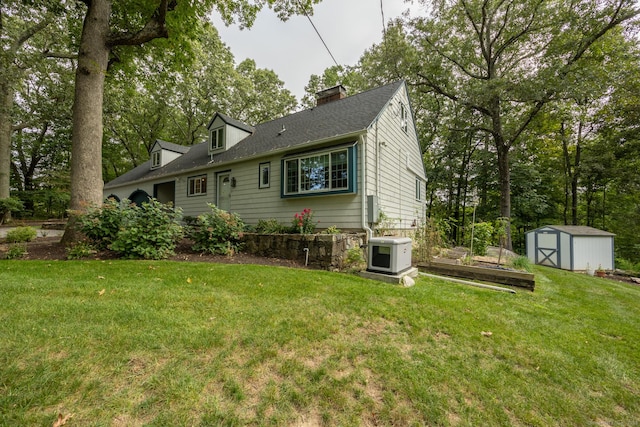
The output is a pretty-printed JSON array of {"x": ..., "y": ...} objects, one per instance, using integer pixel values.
[{"x": 571, "y": 247}]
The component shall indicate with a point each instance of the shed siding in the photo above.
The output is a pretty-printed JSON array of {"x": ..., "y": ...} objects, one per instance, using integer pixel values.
[
  {"x": 593, "y": 252},
  {"x": 577, "y": 251},
  {"x": 565, "y": 252}
]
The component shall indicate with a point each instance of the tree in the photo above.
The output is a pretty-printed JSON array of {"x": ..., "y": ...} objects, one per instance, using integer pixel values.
[
  {"x": 259, "y": 95},
  {"x": 18, "y": 24},
  {"x": 110, "y": 27},
  {"x": 507, "y": 60},
  {"x": 175, "y": 100}
]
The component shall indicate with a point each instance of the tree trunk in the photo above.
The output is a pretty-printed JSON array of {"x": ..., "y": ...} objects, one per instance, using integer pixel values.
[
  {"x": 6, "y": 124},
  {"x": 576, "y": 176},
  {"x": 86, "y": 139},
  {"x": 504, "y": 171}
]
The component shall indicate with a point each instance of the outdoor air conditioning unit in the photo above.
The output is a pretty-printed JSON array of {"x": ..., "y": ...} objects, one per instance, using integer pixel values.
[{"x": 389, "y": 254}]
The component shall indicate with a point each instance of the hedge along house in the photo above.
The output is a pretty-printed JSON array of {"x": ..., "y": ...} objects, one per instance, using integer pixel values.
[
  {"x": 348, "y": 159},
  {"x": 571, "y": 247}
]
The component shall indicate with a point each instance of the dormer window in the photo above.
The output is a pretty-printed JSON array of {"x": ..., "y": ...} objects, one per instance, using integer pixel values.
[
  {"x": 217, "y": 139},
  {"x": 155, "y": 159}
]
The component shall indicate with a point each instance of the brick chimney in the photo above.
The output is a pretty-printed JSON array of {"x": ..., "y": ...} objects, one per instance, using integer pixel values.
[{"x": 332, "y": 94}]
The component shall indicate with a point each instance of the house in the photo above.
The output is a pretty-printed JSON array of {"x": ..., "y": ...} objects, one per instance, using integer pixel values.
[
  {"x": 348, "y": 159},
  {"x": 571, "y": 247}
]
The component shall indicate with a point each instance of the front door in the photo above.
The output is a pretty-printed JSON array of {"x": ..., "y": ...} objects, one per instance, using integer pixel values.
[{"x": 224, "y": 192}]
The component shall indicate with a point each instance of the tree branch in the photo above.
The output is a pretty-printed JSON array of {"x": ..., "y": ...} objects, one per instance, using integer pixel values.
[
  {"x": 28, "y": 33},
  {"x": 441, "y": 91},
  {"x": 60, "y": 55},
  {"x": 154, "y": 28}
]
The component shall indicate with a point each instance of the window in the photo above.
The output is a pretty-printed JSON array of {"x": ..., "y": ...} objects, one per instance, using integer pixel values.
[
  {"x": 323, "y": 172},
  {"x": 217, "y": 139},
  {"x": 264, "y": 173},
  {"x": 418, "y": 190},
  {"x": 155, "y": 159},
  {"x": 404, "y": 117},
  {"x": 197, "y": 185}
]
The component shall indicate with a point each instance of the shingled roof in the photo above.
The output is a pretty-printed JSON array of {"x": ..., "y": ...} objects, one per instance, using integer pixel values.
[
  {"x": 347, "y": 117},
  {"x": 580, "y": 230},
  {"x": 170, "y": 146}
]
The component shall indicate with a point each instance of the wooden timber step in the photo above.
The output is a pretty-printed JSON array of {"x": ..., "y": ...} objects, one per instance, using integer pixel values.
[{"x": 484, "y": 274}]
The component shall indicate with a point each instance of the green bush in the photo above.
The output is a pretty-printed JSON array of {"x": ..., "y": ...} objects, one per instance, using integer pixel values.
[
  {"x": 80, "y": 250},
  {"x": 21, "y": 234},
  {"x": 521, "y": 263},
  {"x": 332, "y": 230},
  {"x": 16, "y": 251},
  {"x": 355, "y": 260},
  {"x": 101, "y": 225},
  {"x": 10, "y": 204},
  {"x": 482, "y": 233},
  {"x": 150, "y": 231},
  {"x": 216, "y": 232},
  {"x": 271, "y": 226},
  {"x": 628, "y": 266}
]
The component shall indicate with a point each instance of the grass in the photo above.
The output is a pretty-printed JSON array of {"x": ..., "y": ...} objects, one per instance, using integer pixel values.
[{"x": 130, "y": 343}]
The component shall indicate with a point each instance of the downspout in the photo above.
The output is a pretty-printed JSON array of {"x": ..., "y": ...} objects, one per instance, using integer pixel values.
[{"x": 365, "y": 224}]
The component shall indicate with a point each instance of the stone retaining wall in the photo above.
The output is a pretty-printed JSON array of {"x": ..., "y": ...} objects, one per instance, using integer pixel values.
[{"x": 326, "y": 251}]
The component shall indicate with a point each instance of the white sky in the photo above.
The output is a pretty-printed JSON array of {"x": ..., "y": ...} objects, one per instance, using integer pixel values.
[{"x": 293, "y": 49}]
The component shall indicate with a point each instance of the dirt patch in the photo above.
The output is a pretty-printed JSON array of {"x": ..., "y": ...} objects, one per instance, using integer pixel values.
[{"x": 50, "y": 249}]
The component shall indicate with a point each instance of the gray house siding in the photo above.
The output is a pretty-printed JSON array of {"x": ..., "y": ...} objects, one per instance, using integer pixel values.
[{"x": 385, "y": 162}]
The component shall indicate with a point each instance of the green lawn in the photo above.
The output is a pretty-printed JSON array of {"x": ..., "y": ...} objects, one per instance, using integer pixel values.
[{"x": 130, "y": 343}]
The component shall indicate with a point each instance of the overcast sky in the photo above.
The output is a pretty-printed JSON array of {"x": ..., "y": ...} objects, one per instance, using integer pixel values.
[{"x": 293, "y": 49}]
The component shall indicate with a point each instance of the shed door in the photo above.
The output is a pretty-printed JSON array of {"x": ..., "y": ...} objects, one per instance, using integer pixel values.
[{"x": 548, "y": 248}]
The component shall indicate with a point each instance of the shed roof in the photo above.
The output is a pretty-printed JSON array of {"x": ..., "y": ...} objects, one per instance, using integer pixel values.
[
  {"x": 577, "y": 230},
  {"x": 341, "y": 118}
]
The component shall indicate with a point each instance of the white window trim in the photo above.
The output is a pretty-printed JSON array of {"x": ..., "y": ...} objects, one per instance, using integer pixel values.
[
  {"x": 404, "y": 117},
  {"x": 156, "y": 159},
  {"x": 217, "y": 137},
  {"x": 196, "y": 191},
  {"x": 261, "y": 167},
  {"x": 299, "y": 174}
]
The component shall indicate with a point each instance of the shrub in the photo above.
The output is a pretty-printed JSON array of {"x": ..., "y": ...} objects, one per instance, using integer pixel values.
[
  {"x": 521, "y": 263},
  {"x": 628, "y": 266},
  {"x": 482, "y": 233},
  {"x": 150, "y": 231},
  {"x": 355, "y": 260},
  {"x": 270, "y": 226},
  {"x": 332, "y": 230},
  {"x": 21, "y": 234},
  {"x": 430, "y": 238},
  {"x": 303, "y": 222},
  {"x": 101, "y": 225},
  {"x": 10, "y": 204},
  {"x": 216, "y": 232},
  {"x": 16, "y": 251},
  {"x": 80, "y": 250}
]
